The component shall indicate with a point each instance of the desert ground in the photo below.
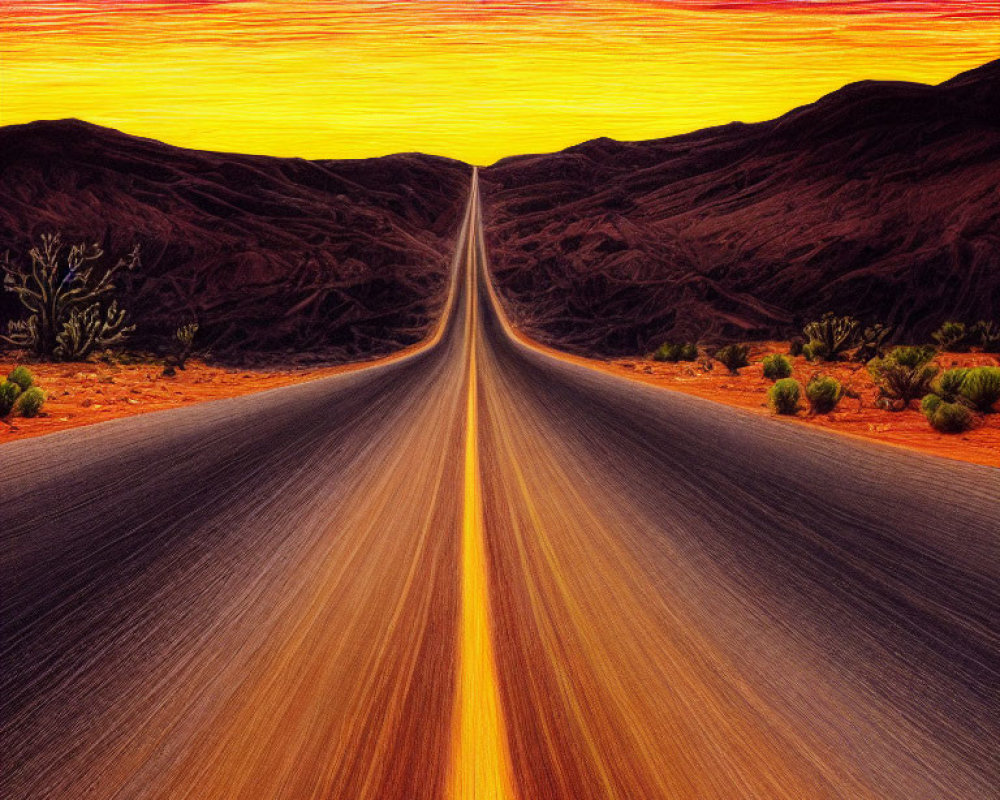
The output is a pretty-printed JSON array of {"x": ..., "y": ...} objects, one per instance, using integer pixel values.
[{"x": 86, "y": 393}]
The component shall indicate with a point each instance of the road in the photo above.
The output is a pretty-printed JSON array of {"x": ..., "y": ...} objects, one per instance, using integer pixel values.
[{"x": 481, "y": 571}]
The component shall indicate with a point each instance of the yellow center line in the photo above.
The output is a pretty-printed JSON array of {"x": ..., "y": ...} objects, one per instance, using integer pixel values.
[{"x": 480, "y": 766}]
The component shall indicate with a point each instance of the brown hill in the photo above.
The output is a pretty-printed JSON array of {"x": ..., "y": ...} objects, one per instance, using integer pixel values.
[
  {"x": 340, "y": 258},
  {"x": 880, "y": 200}
]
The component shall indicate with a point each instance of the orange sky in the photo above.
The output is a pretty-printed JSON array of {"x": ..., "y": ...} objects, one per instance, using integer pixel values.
[{"x": 472, "y": 80}]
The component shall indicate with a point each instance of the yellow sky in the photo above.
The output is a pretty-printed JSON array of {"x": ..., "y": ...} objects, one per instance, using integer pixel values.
[{"x": 471, "y": 80}]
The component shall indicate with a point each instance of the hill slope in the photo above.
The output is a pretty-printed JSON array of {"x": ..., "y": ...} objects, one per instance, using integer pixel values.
[
  {"x": 341, "y": 258},
  {"x": 881, "y": 200}
]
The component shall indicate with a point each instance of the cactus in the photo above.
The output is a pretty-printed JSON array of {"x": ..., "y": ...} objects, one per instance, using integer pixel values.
[
  {"x": 988, "y": 335},
  {"x": 952, "y": 336},
  {"x": 89, "y": 330},
  {"x": 830, "y": 337},
  {"x": 185, "y": 340},
  {"x": 872, "y": 342},
  {"x": 56, "y": 289},
  {"x": 784, "y": 396},
  {"x": 733, "y": 357},
  {"x": 903, "y": 375}
]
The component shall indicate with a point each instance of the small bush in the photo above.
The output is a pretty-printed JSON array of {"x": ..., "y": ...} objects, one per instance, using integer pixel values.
[
  {"x": 823, "y": 393},
  {"x": 31, "y": 402},
  {"x": 949, "y": 384},
  {"x": 903, "y": 375},
  {"x": 776, "y": 366},
  {"x": 815, "y": 351},
  {"x": 952, "y": 336},
  {"x": 8, "y": 395},
  {"x": 987, "y": 333},
  {"x": 930, "y": 404},
  {"x": 22, "y": 377},
  {"x": 733, "y": 357},
  {"x": 913, "y": 357},
  {"x": 689, "y": 352},
  {"x": 667, "y": 352},
  {"x": 784, "y": 396},
  {"x": 981, "y": 387},
  {"x": 946, "y": 417},
  {"x": 795, "y": 347}
]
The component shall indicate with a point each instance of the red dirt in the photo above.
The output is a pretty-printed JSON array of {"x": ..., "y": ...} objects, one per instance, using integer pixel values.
[
  {"x": 82, "y": 394},
  {"x": 860, "y": 418},
  {"x": 85, "y": 393}
]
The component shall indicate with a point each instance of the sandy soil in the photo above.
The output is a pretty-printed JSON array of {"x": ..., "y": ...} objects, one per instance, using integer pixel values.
[
  {"x": 85, "y": 393},
  {"x": 853, "y": 417},
  {"x": 82, "y": 394}
]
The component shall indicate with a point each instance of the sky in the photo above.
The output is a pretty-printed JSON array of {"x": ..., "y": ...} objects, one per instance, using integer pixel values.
[{"x": 474, "y": 80}]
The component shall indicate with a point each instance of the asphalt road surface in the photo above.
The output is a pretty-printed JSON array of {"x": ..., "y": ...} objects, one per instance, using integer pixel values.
[{"x": 484, "y": 572}]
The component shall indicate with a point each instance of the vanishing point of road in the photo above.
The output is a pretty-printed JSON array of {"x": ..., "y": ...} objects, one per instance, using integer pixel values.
[{"x": 481, "y": 571}]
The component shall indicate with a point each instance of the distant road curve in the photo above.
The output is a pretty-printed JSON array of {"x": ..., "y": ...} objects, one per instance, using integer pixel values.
[{"x": 482, "y": 571}]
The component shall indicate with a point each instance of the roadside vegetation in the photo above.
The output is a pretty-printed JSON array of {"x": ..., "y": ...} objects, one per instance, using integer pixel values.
[
  {"x": 70, "y": 312},
  {"x": 893, "y": 377},
  {"x": 20, "y": 395},
  {"x": 784, "y": 396}
]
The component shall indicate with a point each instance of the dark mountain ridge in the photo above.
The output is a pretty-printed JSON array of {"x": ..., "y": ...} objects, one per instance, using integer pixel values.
[
  {"x": 338, "y": 258},
  {"x": 880, "y": 200}
]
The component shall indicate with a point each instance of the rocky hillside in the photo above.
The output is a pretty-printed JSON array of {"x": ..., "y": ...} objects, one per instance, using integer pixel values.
[
  {"x": 335, "y": 258},
  {"x": 880, "y": 200}
]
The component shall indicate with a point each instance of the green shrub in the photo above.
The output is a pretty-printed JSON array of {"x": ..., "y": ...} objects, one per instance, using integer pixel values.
[
  {"x": 733, "y": 356},
  {"x": 784, "y": 396},
  {"x": 689, "y": 352},
  {"x": 22, "y": 377},
  {"x": 903, "y": 375},
  {"x": 823, "y": 393},
  {"x": 31, "y": 402},
  {"x": 8, "y": 395},
  {"x": 667, "y": 352},
  {"x": 981, "y": 387},
  {"x": 947, "y": 417},
  {"x": 952, "y": 336},
  {"x": 795, "y": 347},
  {"x": 815, "y": 351},
  {"x": 930, "y": 404},
  {"x": 987, "y": 333},
  {"x": 830, "y": 337},
  {"x": 910, "y": 356},
  {"x": 948, "y": 386},
  {"x": 776, "y": 366}
]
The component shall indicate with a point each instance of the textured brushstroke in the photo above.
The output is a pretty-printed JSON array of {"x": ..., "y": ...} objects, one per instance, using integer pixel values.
[{"x": 475, "y": 81}]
